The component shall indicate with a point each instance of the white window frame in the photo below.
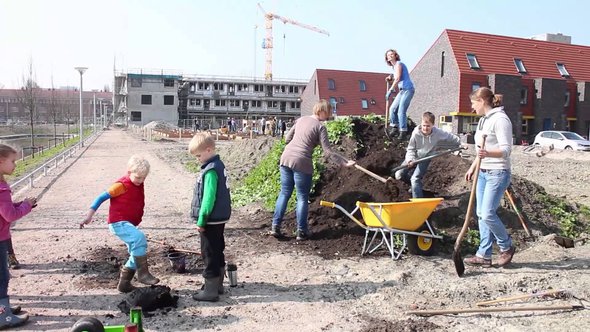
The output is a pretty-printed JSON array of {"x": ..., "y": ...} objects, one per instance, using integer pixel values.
[
  {"x": 364, "y": 104},
  {"x": 567, "y": 99},
  {"x": 562, "y": 70},
  {"x": 524, "y": 97},
  {"x": 520, "y": 66},
  {"x": 472, "y": 60}
]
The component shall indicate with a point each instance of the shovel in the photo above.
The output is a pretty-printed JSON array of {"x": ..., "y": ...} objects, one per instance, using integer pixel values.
[
  {"x": 457, "y": 259},
  {"x": 417, "y": 161}
]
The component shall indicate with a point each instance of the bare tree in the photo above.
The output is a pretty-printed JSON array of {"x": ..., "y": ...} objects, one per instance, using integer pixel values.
[
  {"x": 53, "y": 110},
  {"x": 27, "y": 97}
]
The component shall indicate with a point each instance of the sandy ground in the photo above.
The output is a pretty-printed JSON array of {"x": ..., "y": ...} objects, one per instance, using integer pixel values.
[{"x": 287, "y": 290}]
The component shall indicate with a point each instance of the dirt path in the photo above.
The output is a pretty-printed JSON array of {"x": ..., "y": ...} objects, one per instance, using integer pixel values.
[{"x": 69, "y": 273}]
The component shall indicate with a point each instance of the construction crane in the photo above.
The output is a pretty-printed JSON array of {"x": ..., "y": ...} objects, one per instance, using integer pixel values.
[{"x": 267, "y": 44}]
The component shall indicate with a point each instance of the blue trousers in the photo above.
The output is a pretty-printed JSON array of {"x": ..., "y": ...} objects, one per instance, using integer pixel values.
[
  {"x": 399, "y": 109},
  {"x": 491, "y": 186},
  {"x": 133, "y": 237},
  {"x": 291, "y": 179}
]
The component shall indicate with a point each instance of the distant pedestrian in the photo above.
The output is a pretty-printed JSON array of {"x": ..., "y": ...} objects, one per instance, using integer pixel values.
[
  {"x": 283, "y": 128},
  {"x": 127, "y": 202},
  {"x": 210, "y": 210},
  {"x": 296, "y": 166},
  {"x": 9, "y": 213},
  {"x": 493, "y": 178},
  {"x": 402, "y": 83}
]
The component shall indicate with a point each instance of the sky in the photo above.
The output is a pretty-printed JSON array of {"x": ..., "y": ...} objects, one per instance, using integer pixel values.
[{"x": 224, "y": 37}]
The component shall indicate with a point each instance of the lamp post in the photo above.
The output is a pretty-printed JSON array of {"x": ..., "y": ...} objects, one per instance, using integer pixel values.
[
  {"x": 94, "y": 116},
  {"x": 81, "y": 70}
]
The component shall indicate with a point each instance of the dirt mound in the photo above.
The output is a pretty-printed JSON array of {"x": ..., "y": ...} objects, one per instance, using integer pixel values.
[
  {"x": 160, "y": 125},
  {"x": 336, "y": 235}
]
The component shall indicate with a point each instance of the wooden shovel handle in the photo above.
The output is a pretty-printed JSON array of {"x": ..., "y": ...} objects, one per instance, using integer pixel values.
[
  {"x": 371, "y": 174},
  {"x": 471, "y": 199},
  {"x": 493, "y": 309},
  {"x": 513, "y": 203}
]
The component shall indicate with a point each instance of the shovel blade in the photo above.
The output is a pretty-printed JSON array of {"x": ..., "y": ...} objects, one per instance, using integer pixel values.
[{"x": 564, "y": 241}]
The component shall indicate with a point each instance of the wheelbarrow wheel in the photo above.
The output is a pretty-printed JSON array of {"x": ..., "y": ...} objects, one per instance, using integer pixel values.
[
  {"x": 89, "y": 324},
  {"x": 422, "y": 245}
]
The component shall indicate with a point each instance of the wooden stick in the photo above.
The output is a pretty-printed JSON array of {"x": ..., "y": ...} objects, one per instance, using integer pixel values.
[
  {"x": 493, "y": 309},
  {"x": 513, "y": 203},
  {"x": 371, "y": 174},
  {"x": 172, "y": 248},
  {"x": 520, "y": 297}
]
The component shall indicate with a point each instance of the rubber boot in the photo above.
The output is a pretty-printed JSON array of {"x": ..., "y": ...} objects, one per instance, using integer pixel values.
[
  {"x": 210, "y": 293},
  {"x": 220, "y": 289},
  {"x": 13, "y": 262},
  {"x": 125, "y": 278},
  {"x": 143, "y": 274},
  {"x": 7, "y": 318}
]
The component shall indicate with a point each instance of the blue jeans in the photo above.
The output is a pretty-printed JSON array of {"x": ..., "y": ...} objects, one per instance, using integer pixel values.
[
  {"x": 399, "y": 109},
  {"x": 415, "y": 180},
  {"x": 133, "y": 238},
  {"x": 302, "y": 182},
  {"x": 491, "y": 186},
  {"x": 4, "y": 274}
]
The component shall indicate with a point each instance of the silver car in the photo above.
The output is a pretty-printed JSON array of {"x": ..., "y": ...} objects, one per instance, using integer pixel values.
[{"x": 562, "y": 140}]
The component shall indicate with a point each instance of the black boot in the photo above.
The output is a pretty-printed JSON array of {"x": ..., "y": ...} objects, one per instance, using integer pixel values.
[
  {"x": 210, "y": 293},
  {"x": 403, "y": 135}
]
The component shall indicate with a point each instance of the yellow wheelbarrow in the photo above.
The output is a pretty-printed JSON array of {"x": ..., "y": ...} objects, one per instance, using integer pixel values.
[{"x": 408, "y": 219}]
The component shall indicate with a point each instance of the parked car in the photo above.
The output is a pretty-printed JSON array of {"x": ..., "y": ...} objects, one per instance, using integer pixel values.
[{"x": 562, "y": 140}]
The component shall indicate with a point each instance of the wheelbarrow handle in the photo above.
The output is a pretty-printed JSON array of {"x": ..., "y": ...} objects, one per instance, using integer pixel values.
[
  {"x": 328, "y": 204},
  {"x": 417, "y": 161}
]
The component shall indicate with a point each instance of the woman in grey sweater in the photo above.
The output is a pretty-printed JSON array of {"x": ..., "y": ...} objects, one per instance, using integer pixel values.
[
  {"x": 493, "y": 178},
  {"x": 296, "y": 166}
]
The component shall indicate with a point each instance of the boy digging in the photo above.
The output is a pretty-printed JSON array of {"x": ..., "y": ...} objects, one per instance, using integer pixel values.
[
  {"x": 425, "y": 140},
  {"x": 125, "y": 213},
  {"x": 210, "y": 210}
]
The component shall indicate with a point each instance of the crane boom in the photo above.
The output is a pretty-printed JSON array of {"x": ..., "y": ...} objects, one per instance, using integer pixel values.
[{"x": 268, "y": 40}]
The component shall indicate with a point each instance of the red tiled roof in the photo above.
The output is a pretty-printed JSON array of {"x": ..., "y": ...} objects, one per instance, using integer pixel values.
[
  {"x": 496, "y": 54},
  {"x": 347, "y": 86}
]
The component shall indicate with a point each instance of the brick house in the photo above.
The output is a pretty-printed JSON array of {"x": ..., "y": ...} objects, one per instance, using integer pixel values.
[
  {"x": 544, "y": 83},
  {"x": 351, "y": 93}
]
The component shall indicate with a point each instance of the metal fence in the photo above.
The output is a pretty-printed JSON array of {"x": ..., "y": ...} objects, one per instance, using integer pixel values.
[{"x": 52, "y": 163}]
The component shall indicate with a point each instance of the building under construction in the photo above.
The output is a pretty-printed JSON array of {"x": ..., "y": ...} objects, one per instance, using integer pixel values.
[{"x": 204, "y": 101}]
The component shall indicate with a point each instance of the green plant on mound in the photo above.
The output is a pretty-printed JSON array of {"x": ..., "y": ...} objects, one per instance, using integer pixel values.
[
  {"x": 372, "y": 118},
  {"x": 571, "y": 223},
  {"x": 342, "y": 127}
]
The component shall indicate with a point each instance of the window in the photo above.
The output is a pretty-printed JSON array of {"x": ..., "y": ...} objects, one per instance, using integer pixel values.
[
  {"x": 364, "y": 104},
  {"x": 135, "y": 116},
  {"x": 295, "y": 104},
  {"x": 217, "y": 86},
  {"x": 475, "y": 86},
  {"x": 333, "y": 102},
  {"x": 136, "y": 82},
  {"x": 256, "y": 103},
  {"x": 524, "y": 94},
  {"x": 362, "y": 85},
  {"x": 219, "y": 102},
  {"x": 168, "y": 100},
  {"x": 567, "y": 99},
  {"x": 562, "y": 70},
  {"x": 520, "y": 66},
  {"x": 442, "y": 64},
  {"x": 472, "y": 59},
  {"x": 525, "y": 126},
  {"x": 331, "y": 84},
  {"x": 293, "y": 89},
  {"x": 445, "y": 119},
  {"x": 341, "y": 100},
  {"x": 146, "y": 99},
  {"x": 169, "y": 82},
  {"x": 272, "y": 104}
]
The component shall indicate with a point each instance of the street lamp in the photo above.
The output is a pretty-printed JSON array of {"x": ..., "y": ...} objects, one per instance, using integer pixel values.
[
  {"x": 81, "y": 70},
  {"x": 94, "y": 117}
]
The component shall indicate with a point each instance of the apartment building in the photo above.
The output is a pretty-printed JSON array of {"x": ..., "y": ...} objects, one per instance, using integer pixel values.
[{"x": 544, "y": 81}]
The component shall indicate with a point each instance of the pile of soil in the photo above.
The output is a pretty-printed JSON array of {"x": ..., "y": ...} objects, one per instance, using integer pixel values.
[{"x": 335, "y": 235}]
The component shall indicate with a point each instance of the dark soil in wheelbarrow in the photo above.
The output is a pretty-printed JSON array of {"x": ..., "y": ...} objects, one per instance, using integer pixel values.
[{"x": 335, "y": 235}]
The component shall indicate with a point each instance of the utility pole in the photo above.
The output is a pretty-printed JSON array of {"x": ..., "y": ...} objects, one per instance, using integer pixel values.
[{"x": 81, "y": 70}]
